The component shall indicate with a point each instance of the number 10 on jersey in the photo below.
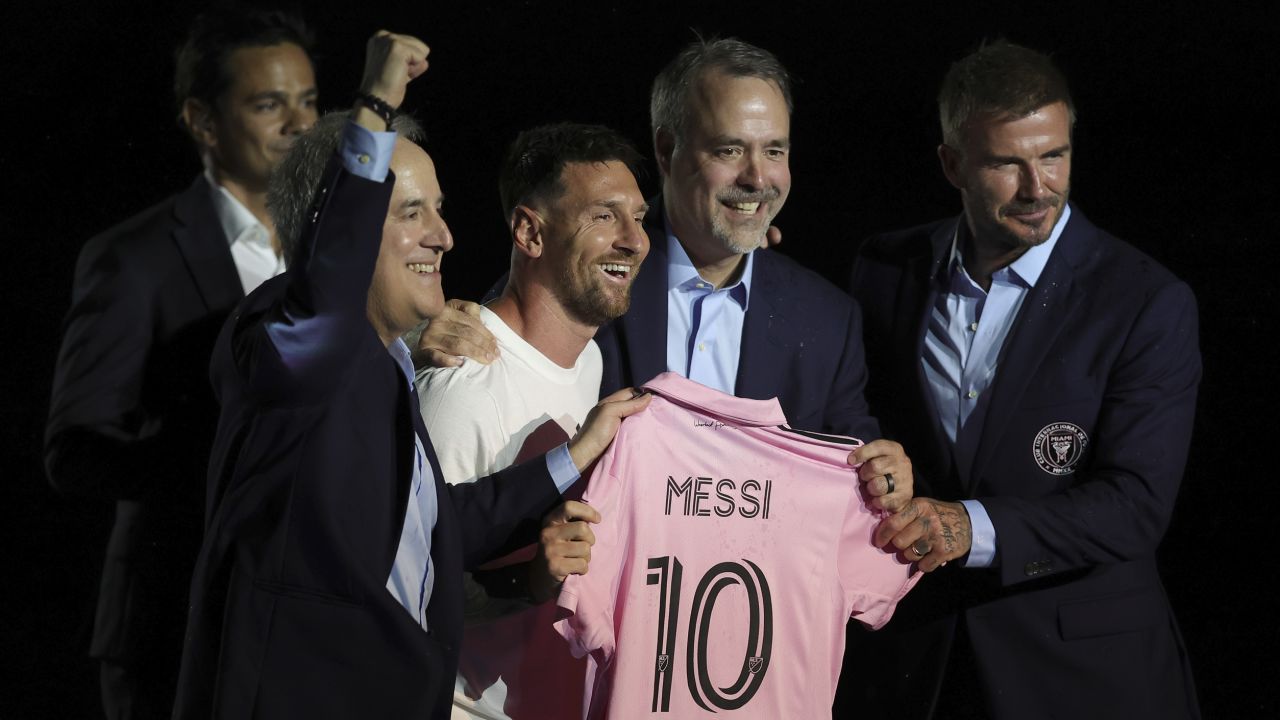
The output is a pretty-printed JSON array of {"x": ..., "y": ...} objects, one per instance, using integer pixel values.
[{"x": 665, "y": 572}]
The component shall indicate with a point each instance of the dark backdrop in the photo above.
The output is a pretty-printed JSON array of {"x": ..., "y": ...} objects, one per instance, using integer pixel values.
[{"x": 1176, "y": 149}]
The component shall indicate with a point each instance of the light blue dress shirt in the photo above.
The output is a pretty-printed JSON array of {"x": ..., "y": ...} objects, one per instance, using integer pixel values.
[
  {"x": 967, "y": 329},
  {"x": 704, "y": 325},
  {"x": 367, "y": 154}
]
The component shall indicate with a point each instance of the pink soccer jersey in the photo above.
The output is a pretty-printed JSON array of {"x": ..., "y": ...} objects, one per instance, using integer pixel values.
[{"x": 732, "y": 551}]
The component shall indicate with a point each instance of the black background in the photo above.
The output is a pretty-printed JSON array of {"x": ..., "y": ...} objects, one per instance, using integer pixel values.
[{"x": 1175, "y": 150}]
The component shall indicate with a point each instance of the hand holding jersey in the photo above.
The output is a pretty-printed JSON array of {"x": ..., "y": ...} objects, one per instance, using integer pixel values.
[
  {"x": 564, "y": 548},
  {"x": 602, "y": 425},
  {"x": 929, "y": 532},
  {"x": 885, "y": 470}
]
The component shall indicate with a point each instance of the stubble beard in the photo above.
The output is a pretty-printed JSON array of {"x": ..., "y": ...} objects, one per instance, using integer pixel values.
[
  {"x": 588, "y": 301},
  {"x": 741, "y": 240},
  {"x": 994, "y": 224}
]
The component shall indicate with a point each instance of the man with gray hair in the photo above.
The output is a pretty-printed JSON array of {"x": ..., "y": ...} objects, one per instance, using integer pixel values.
[
  {"x": 713, "y": 305},
  {"x": 329, "y": 580},
  {"x": 1044, "y": 374}
]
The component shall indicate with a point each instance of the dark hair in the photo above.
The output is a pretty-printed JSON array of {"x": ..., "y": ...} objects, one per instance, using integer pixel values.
[
  {"x": 291, "y": 191},
  {"x": 201, "y": 71},
  {"x": 668, "y": 101},
  {"x": 536, "y": 160},
  {"x": 999, "y": 78}
]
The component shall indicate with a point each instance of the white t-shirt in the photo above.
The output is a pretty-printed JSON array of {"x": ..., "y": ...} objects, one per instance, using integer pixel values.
[{"x": 483, "y": 418}]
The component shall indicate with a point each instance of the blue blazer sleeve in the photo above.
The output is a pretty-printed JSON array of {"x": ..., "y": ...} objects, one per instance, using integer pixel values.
[
  {"x": 1120, "y": 506},
  {"x": 292, "y": 351}
]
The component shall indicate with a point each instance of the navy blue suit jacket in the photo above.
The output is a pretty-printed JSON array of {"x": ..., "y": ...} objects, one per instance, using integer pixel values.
[
  {"x": 1072, "y": 621},
  {"x": 308, "y": 484},
  {"x": 801, "y": 341},
  {"x": 132, "y": 418}
]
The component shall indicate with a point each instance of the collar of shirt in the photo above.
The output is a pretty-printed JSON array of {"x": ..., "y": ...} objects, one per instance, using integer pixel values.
[
  {"x": 404, "y": 359},
  {"x": 238, "y": 224},
  {"x": 1024, "y": 271},
  {"x": 684, "y": 277}
]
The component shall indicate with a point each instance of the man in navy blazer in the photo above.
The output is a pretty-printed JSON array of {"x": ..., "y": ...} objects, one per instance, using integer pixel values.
[
  {"x": 329, "y": 581},
  {"x": 1043, "y": 374},
  {"x": 712, "y": 305},
  {"x": 132, "y": 416}
]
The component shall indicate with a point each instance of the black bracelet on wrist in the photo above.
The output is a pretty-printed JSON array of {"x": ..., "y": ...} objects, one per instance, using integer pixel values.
[{"x": 378, "y": 106}]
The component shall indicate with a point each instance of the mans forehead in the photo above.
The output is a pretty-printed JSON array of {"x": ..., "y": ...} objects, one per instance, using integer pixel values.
[
  {"x": 415, "y": 175},
  {"x": 602, "y": 174},
  {"x": 270, "y": 65}
]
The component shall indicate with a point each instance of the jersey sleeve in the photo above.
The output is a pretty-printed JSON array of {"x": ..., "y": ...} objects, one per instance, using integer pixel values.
[
  {"x": 874, "y": 580},
  {"x": 587, "y": 601}
]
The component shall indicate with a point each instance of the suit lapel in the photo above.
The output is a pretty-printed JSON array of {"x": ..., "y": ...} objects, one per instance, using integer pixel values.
[
  {"x": 917, "y": 299},
  {"x": 1037, "y": 325},
  {"x": 762, "y": 358},
  {"x": 644, "y": 337},
  {"x": 199, "y": 238}
]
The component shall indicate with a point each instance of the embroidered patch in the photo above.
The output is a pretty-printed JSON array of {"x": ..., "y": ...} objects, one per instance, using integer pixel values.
[{"x": 1058, "y": 447}]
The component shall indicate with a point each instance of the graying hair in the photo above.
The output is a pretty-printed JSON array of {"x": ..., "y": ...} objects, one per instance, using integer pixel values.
[
  {"x": 669, "y": 99},
  {"x": 292, "y": 189}
]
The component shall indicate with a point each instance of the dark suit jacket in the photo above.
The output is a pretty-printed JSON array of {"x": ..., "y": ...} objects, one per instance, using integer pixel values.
[
  {"x": 1072, "y": 621},
  {"x": 132, "y": 414},
  {"x": 801, "y": 340},
  {"x": 308, "y": 486}
]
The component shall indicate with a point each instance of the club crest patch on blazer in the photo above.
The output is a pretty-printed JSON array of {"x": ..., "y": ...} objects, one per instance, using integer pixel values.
[{"x": 1058, "y": 447}]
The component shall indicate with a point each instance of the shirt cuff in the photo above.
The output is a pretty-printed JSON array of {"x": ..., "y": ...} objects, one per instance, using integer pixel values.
[
  {"x": 982, "y": 549},
  {"x": 563, "y": 472},
  {"x": 366, "y": 153}
]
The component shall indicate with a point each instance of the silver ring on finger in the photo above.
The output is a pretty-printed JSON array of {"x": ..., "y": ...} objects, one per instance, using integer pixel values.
[
  {"x": 888, "y": 483},
  {"x": 920, "y": 548}
]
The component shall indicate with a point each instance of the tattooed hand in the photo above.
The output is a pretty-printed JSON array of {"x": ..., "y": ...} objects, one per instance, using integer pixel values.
[{"x": 940, "y": 529}]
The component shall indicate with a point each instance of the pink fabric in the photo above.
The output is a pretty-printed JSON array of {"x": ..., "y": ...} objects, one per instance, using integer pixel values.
[{"x": 767, "y": 531}]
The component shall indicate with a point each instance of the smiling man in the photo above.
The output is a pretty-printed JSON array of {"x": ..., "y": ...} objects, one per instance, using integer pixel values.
[
  {"x": 1044, "y": 374},
  {"x": 329, "y": 582},
  {"x": 575, "y": 214},
  {"x": 713, "y": 305},
  {"x": 132, "y": 416}
]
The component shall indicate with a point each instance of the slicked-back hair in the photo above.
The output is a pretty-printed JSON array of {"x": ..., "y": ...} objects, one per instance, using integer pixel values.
[
  {"x": 998, "y": 79},
  {"x": 201, "y": 63},
  {"x": 669, "y": 99},
  {"x": 293, "y": 185},
  {"x": 535, "y": 162}
]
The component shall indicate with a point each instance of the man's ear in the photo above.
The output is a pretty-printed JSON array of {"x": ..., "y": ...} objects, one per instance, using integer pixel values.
[
  {"x": 664, "y": 146},
  {"x": 951, "y": 160},
  {"x": 197, "y": 117},
  {"x": 526, "y": 231}
]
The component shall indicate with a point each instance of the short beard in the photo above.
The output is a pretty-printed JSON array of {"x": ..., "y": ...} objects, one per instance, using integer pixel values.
[
  {"x": 741, "y": 242},
  {"x": 592, "y": 305},
  {"x": 1013, "y": 240}
]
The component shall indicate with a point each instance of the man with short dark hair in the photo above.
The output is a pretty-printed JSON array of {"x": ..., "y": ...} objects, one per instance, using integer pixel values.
[
  {"x": 329, "y": 579},
  {"x": 712, "y": 305},
  {"x": 132, "y": 417},
  {"x": 575, "y": 215},
  {"x": 1044, "y": 374}
]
